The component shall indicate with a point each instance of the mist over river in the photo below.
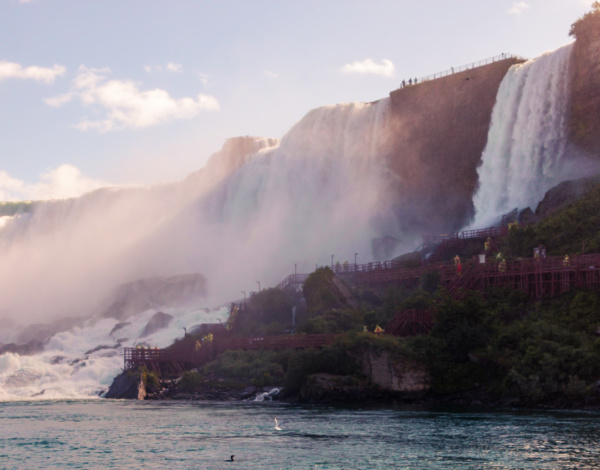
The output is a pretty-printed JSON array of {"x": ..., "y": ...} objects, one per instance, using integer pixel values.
[{"x": 191, "y": 435}]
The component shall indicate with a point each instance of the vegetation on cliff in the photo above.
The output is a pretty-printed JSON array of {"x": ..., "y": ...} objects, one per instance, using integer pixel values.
[
  {"x": 575, "y": 229},
  {"x": 589, "y": 22}
]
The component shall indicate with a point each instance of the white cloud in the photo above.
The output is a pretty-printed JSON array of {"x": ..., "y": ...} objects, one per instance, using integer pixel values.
[
  {"x": 9, "y": 186},
  {"x": 170, "y": 67},
  {"x": 369, "y": 67},
  {"x": 125, "y": 105},
  {"x": 39, "y": 74},
  {"x": 518, "y": 8},
  {"x": 269, "y": 74},
  {"x": 62, "y": 182},
  {"x": 176, "y": 68},
  {"x": 203, "y": 78},
  {"x": 58, "y": 100}
]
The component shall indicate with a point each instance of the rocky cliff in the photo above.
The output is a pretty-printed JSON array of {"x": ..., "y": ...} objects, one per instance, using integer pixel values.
[
  {"x": 584, "y": 119},
  {"x": 441, "y": 129}
]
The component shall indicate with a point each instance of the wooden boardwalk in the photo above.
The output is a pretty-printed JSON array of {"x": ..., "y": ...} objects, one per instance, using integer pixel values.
[{"x": 178, "y": 360}]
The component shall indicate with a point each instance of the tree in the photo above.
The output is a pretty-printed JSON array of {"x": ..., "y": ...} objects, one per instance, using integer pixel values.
[{"x": 588, "y": 22}]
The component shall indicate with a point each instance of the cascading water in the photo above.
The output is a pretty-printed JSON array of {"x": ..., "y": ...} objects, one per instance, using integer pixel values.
[
  {"x": 320, "y": 191},
  {"x": 526, "y": 152}
]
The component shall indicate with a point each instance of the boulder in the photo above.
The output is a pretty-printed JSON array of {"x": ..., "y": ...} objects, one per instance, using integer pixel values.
[
  {"x": 159, "y": 321},
  {"x": 127, "y": 385},
  {"x": 118, "y": 326}
]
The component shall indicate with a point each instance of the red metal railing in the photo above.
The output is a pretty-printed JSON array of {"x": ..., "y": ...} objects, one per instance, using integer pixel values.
[
  {"x": 276, "y": 342},
  {"x": 188, "y": 357},
  {"x": 491, "y": 232},
  {"x": 410, "y": 323}
]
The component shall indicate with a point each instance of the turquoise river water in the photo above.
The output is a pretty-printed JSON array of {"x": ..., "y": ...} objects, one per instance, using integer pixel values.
[{"x": 198, "y": 435}]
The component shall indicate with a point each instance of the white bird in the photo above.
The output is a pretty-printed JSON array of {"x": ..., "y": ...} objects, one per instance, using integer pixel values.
[{"x": 277, "y": 425}]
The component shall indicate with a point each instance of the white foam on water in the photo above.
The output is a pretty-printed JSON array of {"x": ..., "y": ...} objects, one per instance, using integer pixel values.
[{"x": 68, "y": 368}]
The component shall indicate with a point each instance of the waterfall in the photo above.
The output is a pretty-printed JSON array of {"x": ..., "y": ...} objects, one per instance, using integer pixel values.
[
  {"x": 258, "y": 207},
  {"x": 526, "y": 152}
]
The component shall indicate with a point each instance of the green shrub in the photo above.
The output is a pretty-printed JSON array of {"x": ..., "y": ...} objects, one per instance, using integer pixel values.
[
  {"x": 262, "y": 367},
  {"x": 191, "y": 382}
]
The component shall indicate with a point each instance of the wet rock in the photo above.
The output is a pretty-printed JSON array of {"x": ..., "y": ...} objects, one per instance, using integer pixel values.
[
  {"x": 32, "y": 347},
  {"x": 563, "y": 194},
  {"x": 159, "y": 321},
  {"x": 118, "y": 326},
  {"x": 127, "y": 385},
  {"x": 526, "y": 217},
  {"x": 248, "y": 392},
  {"x": 101, "y": 347}
]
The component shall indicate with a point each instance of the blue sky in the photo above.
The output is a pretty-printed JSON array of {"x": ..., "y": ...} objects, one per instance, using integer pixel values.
[{"x": 144, "y": 91}]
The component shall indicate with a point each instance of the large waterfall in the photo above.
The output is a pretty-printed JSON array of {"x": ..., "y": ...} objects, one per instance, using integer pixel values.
[
  {"x": 242, "y": 220},
  {"x": 526, "y": 152}
]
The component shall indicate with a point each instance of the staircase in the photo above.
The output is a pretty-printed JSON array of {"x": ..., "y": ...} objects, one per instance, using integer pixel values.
[{"x": 465, "y": 281}]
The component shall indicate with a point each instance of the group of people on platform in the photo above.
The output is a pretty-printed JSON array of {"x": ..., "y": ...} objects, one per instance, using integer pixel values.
[
  {"x": 539, "y": 253},
  {"x": 410, "y": 82}
]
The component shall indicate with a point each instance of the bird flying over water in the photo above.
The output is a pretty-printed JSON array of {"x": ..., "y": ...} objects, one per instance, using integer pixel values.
[{"x": 277, "y": 425}]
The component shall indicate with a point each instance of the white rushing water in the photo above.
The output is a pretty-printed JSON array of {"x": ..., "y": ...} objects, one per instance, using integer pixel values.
[
  {"x": 81, "y": 362},
  {"x": 526, "y": 151},
  {"x": 246, "y": 218}
]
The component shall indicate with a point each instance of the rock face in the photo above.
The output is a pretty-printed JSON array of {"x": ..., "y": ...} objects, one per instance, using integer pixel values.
[
  {"x": 159, "y": 321},
  {"x": 396, "y": 376},
  {"x": 127, "y": 385},
  {"x": 441, "y": 129},
  {"x": 137, "y": 296},
  {"x": 563, "y": 194},
  {"x": 584, "y": 119},
  {"x": 384, "y": 378},
  {"x": 329, "y": 388}
]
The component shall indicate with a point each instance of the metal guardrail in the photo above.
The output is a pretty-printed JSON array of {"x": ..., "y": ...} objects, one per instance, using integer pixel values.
[
  {"x": 462, "y": 68},
  {"x": 466, "y": 234}
]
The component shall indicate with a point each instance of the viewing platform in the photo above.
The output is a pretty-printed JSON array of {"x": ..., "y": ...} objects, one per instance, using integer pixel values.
[
  {"x": 462, "y": 68},
  {"x": 179, "y": 359}
]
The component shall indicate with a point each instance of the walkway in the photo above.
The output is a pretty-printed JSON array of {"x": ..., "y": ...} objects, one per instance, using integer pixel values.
[
  {"x": 462, "y": 68},
  {"x": 177, "y": 360}
]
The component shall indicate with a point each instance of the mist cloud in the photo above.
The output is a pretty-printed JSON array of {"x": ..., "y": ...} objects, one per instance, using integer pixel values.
[
  {"x": 62, "y": 182},
  {"x": 124, "y": 105},
  {"x": 33, "y": 72}
]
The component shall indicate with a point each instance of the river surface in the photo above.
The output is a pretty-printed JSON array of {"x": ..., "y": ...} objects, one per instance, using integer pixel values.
[{"x": 192, "y": 435}]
